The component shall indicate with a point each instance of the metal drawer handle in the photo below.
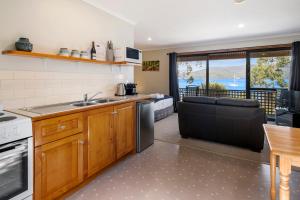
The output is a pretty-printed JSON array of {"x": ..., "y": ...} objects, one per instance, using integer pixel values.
[
  {"x": 43, "y": 157},
  {"x": 62, "y": 127},
  {"x": 114, "y": 113},
  {"x": 81, "y": 142}
]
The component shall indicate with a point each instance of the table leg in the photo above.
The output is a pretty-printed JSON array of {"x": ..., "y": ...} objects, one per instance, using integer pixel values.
[
  {"x": 285, "y": 171},
  {"x": 273, "y": 175}
]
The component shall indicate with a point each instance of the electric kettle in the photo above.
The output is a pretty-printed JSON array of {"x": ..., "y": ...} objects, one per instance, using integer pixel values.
[{"x": 121, "y": 90}]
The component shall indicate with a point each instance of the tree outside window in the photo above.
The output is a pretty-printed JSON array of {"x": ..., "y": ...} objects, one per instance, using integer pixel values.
[{"x": 270, "y": 72}]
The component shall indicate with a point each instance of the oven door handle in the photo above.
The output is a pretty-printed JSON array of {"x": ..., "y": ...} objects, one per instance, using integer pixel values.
[{"x": 12, "y": 151}]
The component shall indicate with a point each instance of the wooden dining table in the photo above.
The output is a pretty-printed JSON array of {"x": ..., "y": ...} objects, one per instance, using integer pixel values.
[{"x": 284, "y": 144}]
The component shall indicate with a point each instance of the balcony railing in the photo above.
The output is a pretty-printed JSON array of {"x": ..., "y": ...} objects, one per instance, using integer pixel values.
[{"x": 266, "y": 97}]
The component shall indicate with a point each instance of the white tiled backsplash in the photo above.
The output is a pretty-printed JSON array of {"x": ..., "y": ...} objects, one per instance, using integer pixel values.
[{"x": 27, "y": 82}]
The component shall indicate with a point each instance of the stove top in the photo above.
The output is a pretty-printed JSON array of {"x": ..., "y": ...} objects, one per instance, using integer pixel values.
[
  {"x": 14, "y": 127},
  {"x": 4, "y": 114},
  {"x": 8, "y": 118}
]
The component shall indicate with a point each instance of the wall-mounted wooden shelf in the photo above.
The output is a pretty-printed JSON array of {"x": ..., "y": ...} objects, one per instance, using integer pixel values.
[{"x": 57, "y": 57}]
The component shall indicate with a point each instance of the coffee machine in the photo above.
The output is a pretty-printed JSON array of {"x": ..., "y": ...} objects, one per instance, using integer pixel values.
[{"x": 131, "y": 89}]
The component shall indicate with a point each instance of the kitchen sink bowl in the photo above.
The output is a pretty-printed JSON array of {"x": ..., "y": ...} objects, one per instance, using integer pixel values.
[
  {"x": 104, "y": 100},
  {"x": 82, "y": 104}
]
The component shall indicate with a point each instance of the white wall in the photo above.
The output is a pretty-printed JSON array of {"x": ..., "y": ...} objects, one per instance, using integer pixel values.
[
  {"x": 51, "y": 24},
  {"x": 154, "y": 82}
]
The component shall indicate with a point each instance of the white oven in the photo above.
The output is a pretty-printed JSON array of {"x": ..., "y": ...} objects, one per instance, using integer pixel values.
[{"x": 16, "y": 157}]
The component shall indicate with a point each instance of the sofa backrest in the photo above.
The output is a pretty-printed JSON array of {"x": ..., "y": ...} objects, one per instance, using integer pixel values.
[
  {"x": 238, "y": 102},
  {"x": 223, "y": 101},
  {"x": 202, "y": 99}
]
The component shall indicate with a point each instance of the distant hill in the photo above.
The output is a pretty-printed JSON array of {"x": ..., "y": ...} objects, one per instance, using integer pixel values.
[
  {"x": 218, "y": 73},
  {"x": 225, "y": 73}
]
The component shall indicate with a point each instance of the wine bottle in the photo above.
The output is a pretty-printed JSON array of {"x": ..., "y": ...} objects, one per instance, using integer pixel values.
[{"x": 93, "y": 52}]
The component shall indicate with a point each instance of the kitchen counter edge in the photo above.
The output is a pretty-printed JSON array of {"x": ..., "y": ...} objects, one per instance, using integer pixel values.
[{"x": 37, "y": 117}]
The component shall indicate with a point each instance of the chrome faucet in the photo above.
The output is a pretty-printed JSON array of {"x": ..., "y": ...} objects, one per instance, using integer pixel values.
[{"x": 86, "y": 99}]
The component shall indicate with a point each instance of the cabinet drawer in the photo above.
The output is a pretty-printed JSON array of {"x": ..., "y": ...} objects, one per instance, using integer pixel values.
[{"x": 49, "y": 130}]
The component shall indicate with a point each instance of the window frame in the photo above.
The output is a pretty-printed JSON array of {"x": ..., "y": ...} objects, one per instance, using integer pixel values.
[{"x": 247, "y": 52}]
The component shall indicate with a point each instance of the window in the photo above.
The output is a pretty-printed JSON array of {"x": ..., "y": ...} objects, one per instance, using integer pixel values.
[
  {"x": 227, "y": 71},
  {"x": 254, "y": 73},
  {"x": 270, "y": 69},
  {"x": 191, "y": 71}
]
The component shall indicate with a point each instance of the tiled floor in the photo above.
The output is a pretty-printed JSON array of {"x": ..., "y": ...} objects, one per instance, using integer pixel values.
[{"x": 169, "y": 171}]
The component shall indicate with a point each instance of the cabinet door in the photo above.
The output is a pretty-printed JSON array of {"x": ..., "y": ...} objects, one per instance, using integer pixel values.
[
  {"x": 101, "y": 148},
  {"x": 58, "y": 167},
  {"x": 124, "y": 118}
]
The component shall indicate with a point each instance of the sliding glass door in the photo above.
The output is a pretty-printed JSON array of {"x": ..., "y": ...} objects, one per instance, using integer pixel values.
[
  {"x": 269, "y": 75},
  {"x": 227, "y": 71},
  {"x": 270, "y": 69},
  {"x": 191, "y": 73},
  {"x": 256, "y": 74}
]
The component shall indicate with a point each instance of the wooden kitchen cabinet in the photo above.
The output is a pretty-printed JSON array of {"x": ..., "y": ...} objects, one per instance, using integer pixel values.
[
  {"x": 124, "y": 128},
  {"x": 58, "y": 167},
  {"x": 101, "y": 144},
  {"x": 69, "y": 149},
  {"x": 57, "y": 128}
]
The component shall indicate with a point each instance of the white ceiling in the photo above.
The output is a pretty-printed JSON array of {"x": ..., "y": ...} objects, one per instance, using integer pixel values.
[{"x": 172, "y": 23}]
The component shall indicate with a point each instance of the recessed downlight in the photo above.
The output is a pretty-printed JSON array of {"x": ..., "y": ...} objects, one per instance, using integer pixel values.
[
  {"x": 238, "y": 1},
  {"x": 241, "y": 25},
  {"x": 149, "y": 39}
]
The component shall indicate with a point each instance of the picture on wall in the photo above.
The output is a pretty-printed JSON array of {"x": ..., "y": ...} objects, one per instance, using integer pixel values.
[{"x": 151, "y": 65}]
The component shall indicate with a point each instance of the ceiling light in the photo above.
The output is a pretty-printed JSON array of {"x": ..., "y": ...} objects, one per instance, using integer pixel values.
[
  {"x": 149, "y": 39},
  {"x": 241, "y": 25},
  {"x": 238, "y": 1}
]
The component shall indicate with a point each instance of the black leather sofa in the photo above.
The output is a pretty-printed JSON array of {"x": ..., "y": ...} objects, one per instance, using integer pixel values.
[{"x": 230, "y": 121}]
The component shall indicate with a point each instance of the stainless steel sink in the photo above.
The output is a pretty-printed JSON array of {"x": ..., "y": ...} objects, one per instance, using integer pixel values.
[
  {"x": 104, "y": 100},
  {"x": 53, "y": 108},
  {"x": 82, "y": 104},
  {"x": 93, "y": 102}
]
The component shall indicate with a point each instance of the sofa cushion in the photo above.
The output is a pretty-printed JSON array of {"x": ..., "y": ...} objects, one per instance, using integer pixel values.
[
  {"x": 204, "y": 100},
  {"x": 238, "y": 102}
]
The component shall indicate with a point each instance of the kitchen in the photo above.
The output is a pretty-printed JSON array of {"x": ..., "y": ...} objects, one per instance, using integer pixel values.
[{"x": 84, "y": 118}]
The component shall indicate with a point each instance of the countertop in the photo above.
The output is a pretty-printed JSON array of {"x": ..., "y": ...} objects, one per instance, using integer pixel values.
[{"x": 65, "y": 109}]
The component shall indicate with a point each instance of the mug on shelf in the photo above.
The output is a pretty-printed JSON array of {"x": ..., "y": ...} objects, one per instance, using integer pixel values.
[{"x": 64, "y": 52}]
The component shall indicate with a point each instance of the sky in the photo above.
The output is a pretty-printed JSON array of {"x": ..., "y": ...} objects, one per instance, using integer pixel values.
[{"x": 218, "y": 63}]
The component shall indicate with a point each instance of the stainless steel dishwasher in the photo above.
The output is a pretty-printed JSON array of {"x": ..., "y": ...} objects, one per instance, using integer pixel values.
[{"x": 144, "y": 125}]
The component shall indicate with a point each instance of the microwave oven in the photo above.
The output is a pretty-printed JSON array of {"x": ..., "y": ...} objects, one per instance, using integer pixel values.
[{"x": 128, "y": 54}]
